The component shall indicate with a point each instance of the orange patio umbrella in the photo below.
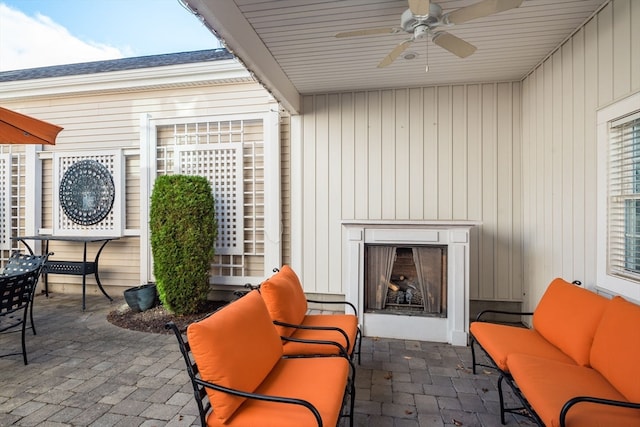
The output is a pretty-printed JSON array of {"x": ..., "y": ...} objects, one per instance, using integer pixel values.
[{"x": 16, "y": 128}]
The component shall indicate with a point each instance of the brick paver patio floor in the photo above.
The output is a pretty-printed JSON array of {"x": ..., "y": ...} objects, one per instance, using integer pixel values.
[{"x": 84, "y": 371}]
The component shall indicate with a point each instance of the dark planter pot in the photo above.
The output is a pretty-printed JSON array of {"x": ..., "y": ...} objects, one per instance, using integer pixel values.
[{"x": 141, "y": 298}]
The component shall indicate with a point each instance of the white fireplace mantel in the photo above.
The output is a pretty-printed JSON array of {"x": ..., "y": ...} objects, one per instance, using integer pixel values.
[{"x": 455, "y": 235}]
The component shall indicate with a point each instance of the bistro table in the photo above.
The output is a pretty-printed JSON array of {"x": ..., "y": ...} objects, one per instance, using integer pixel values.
[{"x": 75, "y": 268}]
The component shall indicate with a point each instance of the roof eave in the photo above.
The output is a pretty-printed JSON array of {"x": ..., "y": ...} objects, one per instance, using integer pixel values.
[
  {"x": 180, "y": 75},
  {"x": 226, "y": 21}
]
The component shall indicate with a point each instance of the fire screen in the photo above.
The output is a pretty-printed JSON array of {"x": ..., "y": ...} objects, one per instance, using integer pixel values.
[{"x": 406, "y": 280}]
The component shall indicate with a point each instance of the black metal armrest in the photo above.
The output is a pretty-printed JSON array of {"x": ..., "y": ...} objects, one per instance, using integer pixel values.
[
  {"x": 342, "y": 351},
  {"x": 513, "y": 313},
  {"x": 353, "y": 307},
  {"x": 589, "y": 399},
  {"x": 315, "y": 328},
  {"x": 263, "y": 397}
]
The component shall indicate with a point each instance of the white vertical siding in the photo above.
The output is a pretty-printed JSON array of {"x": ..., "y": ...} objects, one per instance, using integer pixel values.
[
  {"x": 597, "y": 65},
  {"x": 432, "y": 153}
]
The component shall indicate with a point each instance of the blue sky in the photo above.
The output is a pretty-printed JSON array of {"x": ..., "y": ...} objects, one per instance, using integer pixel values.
[{"x": 36, "y": 33}]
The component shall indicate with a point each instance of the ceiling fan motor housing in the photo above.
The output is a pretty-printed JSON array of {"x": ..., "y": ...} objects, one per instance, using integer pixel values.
[{"x": 410, "y": 22}]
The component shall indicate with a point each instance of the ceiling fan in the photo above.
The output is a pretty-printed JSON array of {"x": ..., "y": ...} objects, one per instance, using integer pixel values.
[{"x": 425, "y": 19}]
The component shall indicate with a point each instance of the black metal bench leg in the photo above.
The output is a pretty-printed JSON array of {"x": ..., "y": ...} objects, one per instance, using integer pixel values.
[
  {"x": 353, "y": 399},
  {"x": 359, "y": 338},
  {"x": 501, "y": 396},
  {"x": 473, "y": 355}
]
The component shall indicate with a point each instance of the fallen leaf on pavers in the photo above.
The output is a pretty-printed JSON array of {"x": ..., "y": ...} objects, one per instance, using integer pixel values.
[
  {"x": 408, "y": 357},
  {"x": 457, "y": 423},
  {"x": 388, "y": 375},
  {"x": 485, "y": 390},
  {"x": 463, "y": 368},
  {"x": 487, "y": 372},
  {"x": 408, "y": 411}
]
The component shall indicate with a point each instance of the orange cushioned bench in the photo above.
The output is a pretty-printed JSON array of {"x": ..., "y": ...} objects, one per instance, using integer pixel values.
[
  {"x": 578, "y": 365},
  {"x": 235, "y": 360},
  {"x": 288, "y": 307}
]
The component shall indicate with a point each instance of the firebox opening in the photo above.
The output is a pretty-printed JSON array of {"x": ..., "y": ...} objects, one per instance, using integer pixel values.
[{"x": 406, "y": 280}]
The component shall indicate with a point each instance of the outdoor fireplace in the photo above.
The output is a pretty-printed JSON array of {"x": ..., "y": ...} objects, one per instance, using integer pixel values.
[
  {"x": 406, "y": 280},
  {"x": 409, "y": 279}
]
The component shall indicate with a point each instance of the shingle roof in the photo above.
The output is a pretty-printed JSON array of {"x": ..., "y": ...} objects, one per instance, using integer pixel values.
[{"x": 116, "y": 65}]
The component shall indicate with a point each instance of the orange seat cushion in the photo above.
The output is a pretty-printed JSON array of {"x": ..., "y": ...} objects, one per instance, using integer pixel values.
[
  {"x": 499, "y": 341},
  {"x": 236, "y": 347},
  {"x": 285, "y": 299},
  {"x": 321, "y": 381},
  {"x": 548, "y": 385},
  {"x": 616, "y": 347},
  {"x": 346, "y": 322},
  {"x": 567, "y": 316}
]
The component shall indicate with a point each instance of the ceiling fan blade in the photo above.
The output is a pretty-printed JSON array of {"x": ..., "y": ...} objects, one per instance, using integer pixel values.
[
  {"x": 395, "y": 53},
  {"x": 453, "y": 44},
  {"x": 479, "y": 10},
  {"x": 367, "y": 32},
  {"x": 419, "y": 7}
]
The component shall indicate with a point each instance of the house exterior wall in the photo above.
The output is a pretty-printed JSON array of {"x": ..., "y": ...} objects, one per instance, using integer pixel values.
[
  {"x": 432, "y": 153},
  {"x": 597, "y": 65},
  {"x": 111, "y": 119}
]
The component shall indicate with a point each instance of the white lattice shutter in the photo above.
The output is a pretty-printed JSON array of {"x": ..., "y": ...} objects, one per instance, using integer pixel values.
[
  {"x": 221, "y": 164},
  {"x": 5, "y": 201},
  {"x": 111, "y": 225}
]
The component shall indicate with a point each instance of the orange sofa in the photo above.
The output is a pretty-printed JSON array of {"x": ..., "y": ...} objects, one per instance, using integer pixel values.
[
  {"x": 307, "y": 334},
  {"x": 241, "y": 377},
  {"x": 578, "y": 365}
]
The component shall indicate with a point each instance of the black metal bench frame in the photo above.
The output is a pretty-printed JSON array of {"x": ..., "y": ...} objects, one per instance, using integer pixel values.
[
  {"x": 204, "y": 405},
  {"x": 531, "y": 413},
  {"x": 357, "y": 348},
  {"x": 526, "y": 410}
]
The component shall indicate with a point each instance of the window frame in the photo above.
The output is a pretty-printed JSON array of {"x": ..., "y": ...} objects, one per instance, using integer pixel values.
[{"x": 607, "y": 281}]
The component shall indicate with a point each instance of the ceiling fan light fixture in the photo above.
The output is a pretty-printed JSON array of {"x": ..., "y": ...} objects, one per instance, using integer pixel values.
[
  {"x": 420, "y": 32},
  {"x": 409, "y": 55}
]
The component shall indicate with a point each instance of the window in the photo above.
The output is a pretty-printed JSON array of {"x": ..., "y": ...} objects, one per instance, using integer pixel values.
[
  {"x": 619, "y": 197},
  {"x": 624, "y": 195}
]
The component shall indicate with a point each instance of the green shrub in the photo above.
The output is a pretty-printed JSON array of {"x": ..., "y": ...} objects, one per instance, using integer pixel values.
[{"x": 183, "y": 231}]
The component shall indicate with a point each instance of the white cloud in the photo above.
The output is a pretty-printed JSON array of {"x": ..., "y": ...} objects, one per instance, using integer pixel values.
[{"x": 28, "y": 42}]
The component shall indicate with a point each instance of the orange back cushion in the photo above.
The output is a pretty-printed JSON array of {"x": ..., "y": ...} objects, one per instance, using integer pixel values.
[
  {"x": 285, "y": 299},
  {"x": 616, "y": 347},
  {"x": 567, "y": 316},
  {"x": 235, "y": 347}
]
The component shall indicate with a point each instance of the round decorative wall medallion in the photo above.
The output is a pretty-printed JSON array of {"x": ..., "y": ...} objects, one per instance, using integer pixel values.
[{"x": 87, "y": 192}]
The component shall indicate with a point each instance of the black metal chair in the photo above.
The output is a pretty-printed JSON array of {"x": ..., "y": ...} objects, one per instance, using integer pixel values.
[{"x": 18, "y": 282}]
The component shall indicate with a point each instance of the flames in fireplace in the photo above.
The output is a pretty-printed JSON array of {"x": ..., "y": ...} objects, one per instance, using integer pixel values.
[{"x": 406, "y": 280}]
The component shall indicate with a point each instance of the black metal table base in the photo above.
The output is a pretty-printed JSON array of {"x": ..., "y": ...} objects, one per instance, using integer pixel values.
[{"x": 73, "y": 268}]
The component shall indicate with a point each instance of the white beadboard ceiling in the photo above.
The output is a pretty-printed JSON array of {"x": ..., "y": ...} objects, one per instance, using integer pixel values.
[{"x": 290, "y": 45}]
